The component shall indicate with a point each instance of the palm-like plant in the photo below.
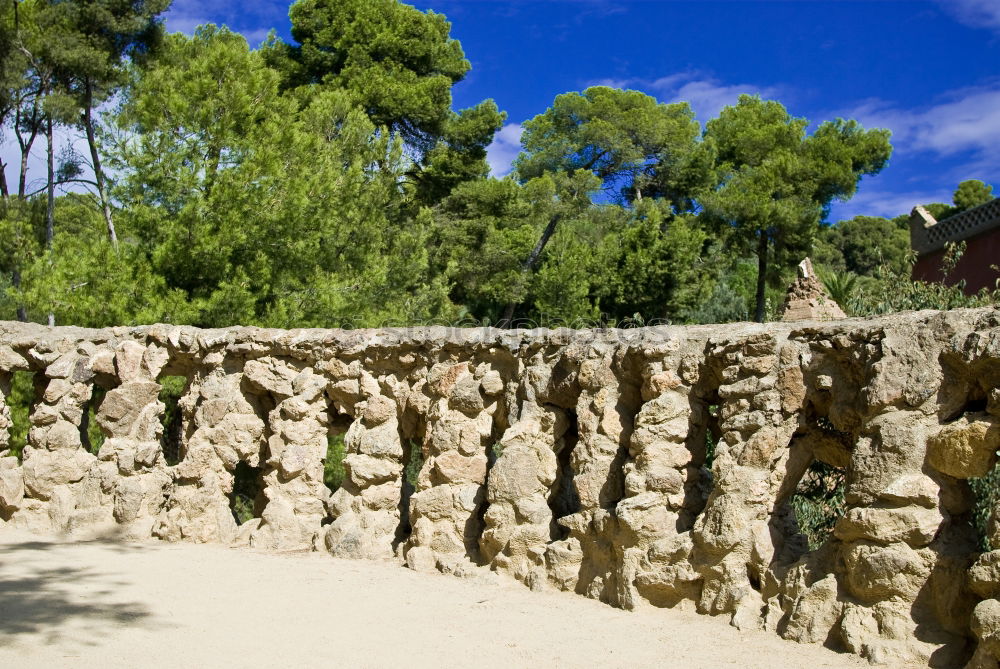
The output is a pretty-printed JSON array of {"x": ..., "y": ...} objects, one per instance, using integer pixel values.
[{"x": 840, "y": 286}]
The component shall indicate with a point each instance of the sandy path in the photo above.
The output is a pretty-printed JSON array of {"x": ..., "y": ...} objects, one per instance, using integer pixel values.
[{"x": 108, "y": 604}]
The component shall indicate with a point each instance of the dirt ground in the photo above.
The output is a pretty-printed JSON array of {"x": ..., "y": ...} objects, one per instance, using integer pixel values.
[{"x": 104, "y": 603}]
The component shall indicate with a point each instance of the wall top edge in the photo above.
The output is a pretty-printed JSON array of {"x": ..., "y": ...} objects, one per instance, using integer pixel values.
[{"x": 14, "y": 333}]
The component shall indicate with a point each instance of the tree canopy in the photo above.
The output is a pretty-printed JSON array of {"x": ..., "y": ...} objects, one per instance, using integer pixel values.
[
  {"x": 329, "y": 181},
  {"x": 776, "y": 182}
]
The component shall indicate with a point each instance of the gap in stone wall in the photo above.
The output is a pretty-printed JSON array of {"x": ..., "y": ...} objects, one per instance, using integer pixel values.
[
  {"x": 26, "y": 389},
  {"x": 333, "y": 463},
  {"x": 248, "y": 479},
  {"x": 817, "y": 499},
  {"x": 986, "y": 497},
  {"x": 818, "y": 502},
  {"x": 413, "y": 462},
  {"x": 493, "y": 451},
  {"x": 247, "y": 500},
  {"x": 172, "y": 388},
  {"x": 91, "y": 436},
  {"x": 564, "y": 500},
  {"x": 704, "y": 435},
  {"x": 713, "y": 434},
  {"x": 964, "y": 392},
  {"x": 412, "y": 430},
  {"x": 985, "y": 490}
]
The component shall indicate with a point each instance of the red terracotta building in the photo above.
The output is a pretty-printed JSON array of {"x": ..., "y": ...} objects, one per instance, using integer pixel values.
[{"x": 979, "y": 228}]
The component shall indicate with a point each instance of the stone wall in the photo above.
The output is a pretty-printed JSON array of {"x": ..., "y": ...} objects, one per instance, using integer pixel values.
[{"x": 567, "y": 459}]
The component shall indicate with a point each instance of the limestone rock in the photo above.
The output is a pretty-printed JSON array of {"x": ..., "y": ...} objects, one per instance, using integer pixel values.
[
  {"x": 807, "y": 299},
  {"x": 648, "y": 466},
  {"x": 966, "y": 448}
]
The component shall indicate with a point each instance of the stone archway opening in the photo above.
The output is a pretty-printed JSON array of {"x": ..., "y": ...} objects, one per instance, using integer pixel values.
[
  {"x": 91, "y": 436},
  {"x": 813, "y": 496},
  {"x": 564, "y": 499},
  {"x": 24, "y": 394},
  {"x": 247, "y": 500},
  {"x": 818, "y": 502},
  {"x": 172, "y": 388},
  {"x": 333, "y": 462}
]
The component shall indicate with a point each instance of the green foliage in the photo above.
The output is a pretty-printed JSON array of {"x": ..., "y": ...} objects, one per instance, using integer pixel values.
[
  {"x": 894, "y": 291},
  {"x": 658, "y": 265},
  {"x": 818, "y": 502},
  {"x": 328, "y": 182},
  {"x": 776, "y": 183},
  {"x": 333, "y": 463},
  {"x": 213, "y": 141},
  {"x": 863, "y": 244},
  {"x": 625, "y": 138},
  {"x": 972, "y": 193},
  {"x": 394, "y": 61},
  {"x": 459, "y": 155},
  {"x": 92, "y": 437},
  {"x": 710, "y": 440},
  {"x": 20, "y": 400},
  {"x": 496, "y": 450},
  {"x": 986, "y": 493},
  {"x": 411, "y": 472},
  {"x": 724, "y": 305},
  {"x": 841, "y": 287}
]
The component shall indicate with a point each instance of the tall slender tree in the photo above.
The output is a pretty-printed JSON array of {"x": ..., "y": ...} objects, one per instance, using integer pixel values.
[
  {"x": 96, "y": 40},
  {"x": 776, "y": 182}
]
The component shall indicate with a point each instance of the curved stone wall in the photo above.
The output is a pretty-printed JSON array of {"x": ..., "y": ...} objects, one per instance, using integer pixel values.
[{"x": 575, "y": 460}]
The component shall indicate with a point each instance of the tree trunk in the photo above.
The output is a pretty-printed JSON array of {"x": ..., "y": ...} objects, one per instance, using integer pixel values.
[
  {"x": 50, "y": 196},
  {"x": 22, "y": 178},
  {"x": 95, "y": 159},
  {"x": 4, "y": 192},
  {"x": 50, "y": 188},
  {"x": 761, "y": 275},
  {"x": 15, "y": 280},
  {"x": 25, "y": 144},
  {"x": 529, "y": 265}
]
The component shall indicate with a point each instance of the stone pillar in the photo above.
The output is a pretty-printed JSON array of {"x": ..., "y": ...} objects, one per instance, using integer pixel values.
[
  {"x": 665, "y": 486},
  {"x": 61, "y": 479},
  {"x": 293, "y": 478},
  {"x": 737, "y": 537},
  {"x": 609, "y": 399},
  {"x": 518, "y": 524},
  {"x": 901, "y": 567},
  {"x": 451, "y": 485},
  {"x": 365, "y": 509},
  {"x": 11, "y": 476},
  {"x": 129, "y": 417},
  {"x": 226, "y": 430}
]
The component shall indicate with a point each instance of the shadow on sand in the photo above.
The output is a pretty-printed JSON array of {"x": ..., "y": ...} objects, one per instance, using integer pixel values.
[{"x": 47, "y": 592}]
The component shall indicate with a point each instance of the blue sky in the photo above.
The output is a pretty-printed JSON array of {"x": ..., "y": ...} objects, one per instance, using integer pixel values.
[{"x": 927, "y": 70}]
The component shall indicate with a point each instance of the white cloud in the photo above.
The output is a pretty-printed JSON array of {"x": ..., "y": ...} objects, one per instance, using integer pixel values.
[
  {"x": 885, "y": 203},
  {"x": 965, "y": 121},
  {"x": 186, "y": 15},
  {"x": 707, "y": 95},
  {"x": 974, "y": 13},
  {"x": 504, "y": 149}
]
